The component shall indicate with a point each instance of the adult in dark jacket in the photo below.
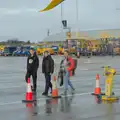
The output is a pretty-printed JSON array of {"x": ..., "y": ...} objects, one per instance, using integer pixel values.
[
  {"x": 32, "y": 67},
  {"x": 47, "y": 69}
]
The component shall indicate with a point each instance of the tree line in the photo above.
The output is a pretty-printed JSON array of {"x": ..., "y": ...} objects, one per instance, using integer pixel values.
[{"x": 15, "y": 42}]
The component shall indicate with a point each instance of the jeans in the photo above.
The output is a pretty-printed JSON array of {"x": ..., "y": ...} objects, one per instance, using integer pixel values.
[
  {"x": 48, "y": 82},
  {"x": 67, "y": 81}
]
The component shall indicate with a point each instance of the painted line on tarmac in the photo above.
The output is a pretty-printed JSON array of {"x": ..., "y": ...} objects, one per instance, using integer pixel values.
[
  {"x": 74, "y": 81},
  {"x": 44, "y": 98},
  {"x": 21, "y": 81},
  {"x": 42, "y": 83},
  {"x": 92, "y": 70},
  {"x": 84, "y": 69}
]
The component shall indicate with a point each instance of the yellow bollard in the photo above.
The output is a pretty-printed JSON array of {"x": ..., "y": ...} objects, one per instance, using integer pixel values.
[
  {"x": 109, "y": 73},
  {"x": 105, "y": 69}
]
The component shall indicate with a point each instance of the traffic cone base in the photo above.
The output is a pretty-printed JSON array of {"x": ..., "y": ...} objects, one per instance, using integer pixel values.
[
  {"x": 55, "y": 93},
  {"x": 57, "y": 97},
  {"x": 54, "y": 89},
  {"x": 97, "y": 91},
  {"x": 97, "y": 94},
  {"x": 29, "y": 98},
  {"x": 28, "y": 101}
]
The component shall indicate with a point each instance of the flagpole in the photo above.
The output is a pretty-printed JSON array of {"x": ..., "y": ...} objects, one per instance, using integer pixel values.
[
  {"x": 77, "y": 22},
  {"x": 77, "y": 15},
  {"x": 61, "y": 18},
  {"x": 61, "y": 14}
]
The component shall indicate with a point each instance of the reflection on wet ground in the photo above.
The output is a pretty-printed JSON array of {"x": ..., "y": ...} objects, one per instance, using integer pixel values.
[{"x": 79, "y": 106}]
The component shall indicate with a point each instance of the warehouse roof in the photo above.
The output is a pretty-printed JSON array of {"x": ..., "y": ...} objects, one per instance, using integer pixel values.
[{"x": 93, "y": 34}]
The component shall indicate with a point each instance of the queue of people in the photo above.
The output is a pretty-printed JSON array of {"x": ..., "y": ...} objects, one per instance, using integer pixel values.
[{"x": 67, "y": 67}]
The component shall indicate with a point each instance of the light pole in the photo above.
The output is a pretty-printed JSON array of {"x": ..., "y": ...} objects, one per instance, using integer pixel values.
[
  {"x": 77, "y": 30},
  {"x": 77, "y": 15},
  {"x": 61, "y": 14}
]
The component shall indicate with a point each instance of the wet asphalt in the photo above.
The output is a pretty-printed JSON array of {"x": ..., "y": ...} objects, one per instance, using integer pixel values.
[{"x": 79, "y": 106}]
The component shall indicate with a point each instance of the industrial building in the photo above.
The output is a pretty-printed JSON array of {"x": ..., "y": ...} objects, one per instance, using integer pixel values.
[{"x": 89, "y": 35}]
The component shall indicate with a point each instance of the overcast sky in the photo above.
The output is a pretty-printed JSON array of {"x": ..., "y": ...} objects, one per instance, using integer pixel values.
[{"x": 21, "y": 19}]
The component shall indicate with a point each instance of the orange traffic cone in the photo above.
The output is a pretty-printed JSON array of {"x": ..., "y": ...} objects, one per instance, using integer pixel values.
[
  {"x": 54, "y": 88},
  {"x": 97, "y": 90},
  {"x": 29, "y": 95}
]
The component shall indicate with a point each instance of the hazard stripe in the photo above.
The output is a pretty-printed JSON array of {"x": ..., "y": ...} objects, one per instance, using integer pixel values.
[
  {"x": 97, "y": 84},
  {"x": 29, "y": 88}
]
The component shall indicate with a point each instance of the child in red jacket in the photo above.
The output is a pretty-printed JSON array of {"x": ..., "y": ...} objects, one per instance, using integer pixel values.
[{"x": 69, "y": 66}]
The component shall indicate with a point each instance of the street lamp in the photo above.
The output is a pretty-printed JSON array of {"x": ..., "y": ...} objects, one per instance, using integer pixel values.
[{"x": 77, "y": 15}]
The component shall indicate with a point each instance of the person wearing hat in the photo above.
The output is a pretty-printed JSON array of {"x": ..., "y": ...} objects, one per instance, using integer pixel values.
[
  {"x": 32, "y": 68},
  {"x": 47, "y": 70}
]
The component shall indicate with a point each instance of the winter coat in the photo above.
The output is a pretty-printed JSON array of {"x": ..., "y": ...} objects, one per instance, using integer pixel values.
[
  {"x": 47, "y": 65},
  {"x": 71, "y": 65},
  {"x": 32, "y": 63},
  {"x": 70, "y": 68}
]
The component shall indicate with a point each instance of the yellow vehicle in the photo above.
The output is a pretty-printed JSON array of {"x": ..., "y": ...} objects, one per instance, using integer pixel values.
[
  {"x": 72, "y": 50},
  {"x": 50, "y": 50},
  {"x": 1, "y": 47},
  {"x": 117, "y": 50},
  {"x": 61, "y": 50},
  {"x": 40, "y": 50}
]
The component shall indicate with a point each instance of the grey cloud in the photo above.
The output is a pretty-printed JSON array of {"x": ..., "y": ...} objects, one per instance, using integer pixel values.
[{"x": 20, "y": 18}]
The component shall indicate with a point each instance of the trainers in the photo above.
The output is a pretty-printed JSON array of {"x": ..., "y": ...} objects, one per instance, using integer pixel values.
[
  {"x": 34, "y": 90},
  {"x": 44, "y": 94},
  {"x": 73, "y": 91}
]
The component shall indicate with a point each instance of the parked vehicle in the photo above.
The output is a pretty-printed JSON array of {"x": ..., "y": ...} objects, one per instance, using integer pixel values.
[
  {"x": 8, "y": 51},
  {"x": 22, "y": 51},
  {"x": 41, "y": 49},
  {"x": 55, "y": 48}
]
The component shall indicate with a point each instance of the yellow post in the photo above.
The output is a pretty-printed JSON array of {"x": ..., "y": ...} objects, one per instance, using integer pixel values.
[
  {"x": 106, "y": 69},
  {"x": 109, "y": 82},
  {"x": 109, "y": 73}
]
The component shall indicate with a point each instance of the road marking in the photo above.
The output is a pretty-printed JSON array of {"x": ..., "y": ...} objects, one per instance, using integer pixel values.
[
  {"x": 42, "y": 83},
  {"x": 21, "y": 81},
  {"x": 44, "y": 98}
]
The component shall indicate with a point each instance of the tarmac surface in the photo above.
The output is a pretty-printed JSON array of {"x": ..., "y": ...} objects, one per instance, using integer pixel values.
[{"x": 80, "y": 106}]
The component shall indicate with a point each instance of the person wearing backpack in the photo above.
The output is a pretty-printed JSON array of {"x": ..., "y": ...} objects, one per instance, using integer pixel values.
[{"x": 68, "y": 66}]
